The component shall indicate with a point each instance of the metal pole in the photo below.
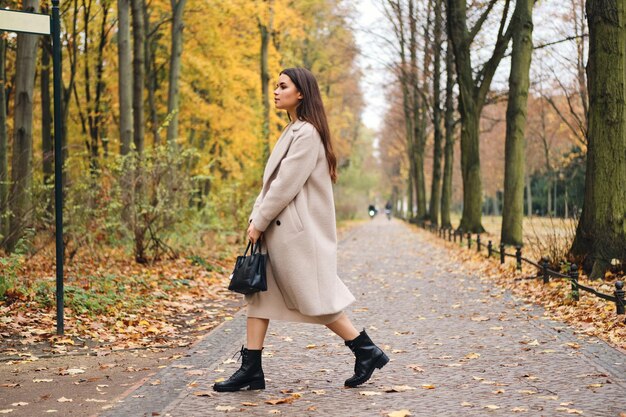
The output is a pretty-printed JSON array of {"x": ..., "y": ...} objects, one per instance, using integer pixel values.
[{"x": 58, "y": 159}]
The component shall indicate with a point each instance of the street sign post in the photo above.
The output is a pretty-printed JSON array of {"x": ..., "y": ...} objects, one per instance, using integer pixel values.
[{"x": 42, "y": 24}]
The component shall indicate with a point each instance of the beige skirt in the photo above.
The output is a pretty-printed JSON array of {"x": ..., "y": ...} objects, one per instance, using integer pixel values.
[{"x": 271, "y": 305}]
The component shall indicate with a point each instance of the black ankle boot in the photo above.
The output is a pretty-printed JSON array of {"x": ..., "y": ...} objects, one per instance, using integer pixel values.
[
  {"x": 368, "y": 357},
  {"x": 249, "y": 376}
]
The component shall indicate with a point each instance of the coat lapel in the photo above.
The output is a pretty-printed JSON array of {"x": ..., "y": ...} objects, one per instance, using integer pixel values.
[{"x": 280, "y": 149}]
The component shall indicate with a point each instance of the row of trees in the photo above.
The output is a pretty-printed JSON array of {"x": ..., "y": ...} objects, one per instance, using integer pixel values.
[
  {"x": 166, "y": 112},
  {"x": 470, "y": 42}
]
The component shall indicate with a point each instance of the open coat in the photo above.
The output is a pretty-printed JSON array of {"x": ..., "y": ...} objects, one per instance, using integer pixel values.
[{"x": 296, "y": 213}]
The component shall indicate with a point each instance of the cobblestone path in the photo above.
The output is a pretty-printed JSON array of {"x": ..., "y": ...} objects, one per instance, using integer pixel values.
[{"x": 458, "y": 346}]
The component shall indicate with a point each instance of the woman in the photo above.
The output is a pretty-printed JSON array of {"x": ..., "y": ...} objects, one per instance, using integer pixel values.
[{"x": 295, "y": 216}]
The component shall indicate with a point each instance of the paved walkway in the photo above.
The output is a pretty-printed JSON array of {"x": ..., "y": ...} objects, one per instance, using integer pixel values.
[{"x": 458, "y": 346}]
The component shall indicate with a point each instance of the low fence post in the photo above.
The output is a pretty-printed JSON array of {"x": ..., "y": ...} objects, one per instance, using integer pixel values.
[
  {"x": 489, "y": 249},
  {"x": 454, "y": 235},
  {"x": 461, "y": 236},
  {"x": 501, "y": 253},
  {"x": 449, "y": 234},
  {"x": 573, "y": 274},
  {"x": 518, "y": 257},
  {"x": 469, "y": 240},
  {"x": 619, "y": 297},
  {"x": 478, "y": 242},
  {"x": 544, "y": 269}
]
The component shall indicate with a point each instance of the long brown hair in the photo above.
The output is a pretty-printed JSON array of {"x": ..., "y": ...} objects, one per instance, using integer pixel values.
[{"x": 311, "y": 109}]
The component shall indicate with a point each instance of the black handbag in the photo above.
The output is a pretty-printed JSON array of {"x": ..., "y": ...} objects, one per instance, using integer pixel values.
[{"x": 249, "y": 274}]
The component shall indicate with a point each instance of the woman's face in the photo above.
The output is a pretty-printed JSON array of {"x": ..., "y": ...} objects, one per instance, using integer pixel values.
[{"x": 286, "y": 95}]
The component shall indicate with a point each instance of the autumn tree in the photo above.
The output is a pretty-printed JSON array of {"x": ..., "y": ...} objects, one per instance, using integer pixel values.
[
  {"x": 474, "y": 84},
  {"x": 519, "y": 81},
  {"x": 21, "y": 166},
  {"x": 601, "y": 232}
]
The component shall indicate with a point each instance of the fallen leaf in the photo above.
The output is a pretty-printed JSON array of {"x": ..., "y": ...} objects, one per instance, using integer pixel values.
[
  {"x": 472, "y": 355},
  {"x": 225, "y": 408},
  {"x": 203, "y": 393},
  {"x": 72, "y": 371},
  {"x": 182, "y": 366},
  {"x": 287, "y": 400},
  {"x": 19, "y": 404},
  {"x": 65, "y": 400},
  {"x": 195, "y": 372},
  {"x": 519, "y": 409},
  {"x": 155, "y": 382},
  {"x": 526, "y": 391},
  {"x": 9, "y": 385},
  {"x": 416, "y": 368},
  {"x": 594, "y": 386},
  {"x": 480, "y": 318},
  {"x": 399, "y": 388},
  {"x": 319, "y": 391},
  {"x": 311, "y": 346},
  {"x": 94, "y": 400},
  {"x": 399, "y": 413},
  {"x": 6, "y": 411},
  {"x": 247, "y": 404},
  {"x": 466, "y": 404},
  {"x": 428, "y": 386},
  {"x": 369, "y": 393},
  {"x": 491, "y": 407},
  {"x": 42, "y": 380}
]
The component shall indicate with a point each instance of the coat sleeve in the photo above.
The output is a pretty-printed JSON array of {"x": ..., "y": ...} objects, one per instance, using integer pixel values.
[
  {"x": 294, "y": 170},
  {"x": 257, "y": 203}
]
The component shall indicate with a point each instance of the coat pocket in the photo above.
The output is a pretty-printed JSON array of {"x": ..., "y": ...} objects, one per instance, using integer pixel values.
[{"x": 295, "y": 217}]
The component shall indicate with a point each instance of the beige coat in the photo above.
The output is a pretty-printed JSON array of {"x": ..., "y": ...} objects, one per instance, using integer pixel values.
[{"x": 296, "y": 213}]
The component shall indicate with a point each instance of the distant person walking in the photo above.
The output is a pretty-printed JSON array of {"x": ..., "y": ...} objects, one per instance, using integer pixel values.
[{"x": 294, "y": 216}]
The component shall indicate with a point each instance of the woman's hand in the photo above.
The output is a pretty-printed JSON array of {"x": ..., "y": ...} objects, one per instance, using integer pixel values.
[{"x": 253, "y": 233}]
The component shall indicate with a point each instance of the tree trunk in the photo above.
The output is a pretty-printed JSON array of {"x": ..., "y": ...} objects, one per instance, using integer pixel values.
[
  {"x": 138, "y": 75},
  {"x": 529, "y": 197},
  {"x": 47, "y": 145},
  {"x": 21, "y": 169},
  {"x": 151, "y": 76},
  {"x": 175, "y": 58},
  {"x": 125, "y": 76},
  {"x": 435, "y": 189},
  {"x": 514, "y": 154},
  {"x": 446, "y": 188},
  {"x": 472, "y": 93},
  {"x": 601, "y": 233},
  {"x": 266, "y": 31},
  {"x": 4, "y": 148}
]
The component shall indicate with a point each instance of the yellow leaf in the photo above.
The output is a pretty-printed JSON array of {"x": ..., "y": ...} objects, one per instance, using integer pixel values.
[
  {"x": 399, "y": 413},
  {"x": 472, "y": 355},
  {"x": 428, "y": 386},
  {"x": 466, "y": 404}
]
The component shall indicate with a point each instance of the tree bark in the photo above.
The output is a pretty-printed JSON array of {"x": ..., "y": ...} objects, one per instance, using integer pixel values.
[
  {"x": 151, "y": 76},
  {"x": 472, "y": 94},
  {"x": 125, "y": 76},
  {"x": 446, "y": 187},
  {"x": 138, "y": 74},
  {"x": 435, "y": 189},
  {"x": 266, "y": 31},
  {"x": 601, "y": 233},
  {"x": 175, "y": 58},
  {"x": 515, "y": 142},
  {"x": 4, "y": 148},
  {"x": 22, "y": 160}
]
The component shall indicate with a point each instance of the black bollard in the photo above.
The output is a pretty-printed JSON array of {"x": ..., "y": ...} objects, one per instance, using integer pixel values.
[
  {"x": 501, "y": 253},
  {"x": 619, "y": 297},
  {"x": 489, "y": 249},
  {"x": 544, "y": 269},
  {"x": 461, "y": 235},
  {"x": 454, "y": 235},
  {"x": 518, "y": 257},
  {"x": 573, "y": 274},
  {"x": 469, "y": 240},
  {"x": 478, "y": 242},
  {"x": 449, "y": 234}
]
